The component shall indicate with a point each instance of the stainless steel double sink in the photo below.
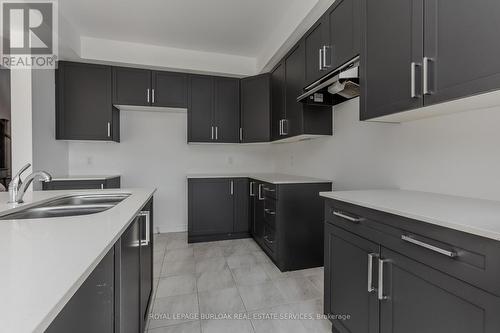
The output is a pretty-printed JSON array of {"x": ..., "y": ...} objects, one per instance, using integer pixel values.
[{"x": 71, "y": 205}]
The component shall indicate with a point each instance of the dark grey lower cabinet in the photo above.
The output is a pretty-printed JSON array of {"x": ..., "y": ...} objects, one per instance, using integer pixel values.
[
  {"x": 421, "y": 299},
  {"x": 346, "y": 286},
  {"x": 388, "y": 285},
  {"x": 91, "y": 309},
  {"x": 129, "y": 279},
  {"x": 82, "y": 184},
  {"x": 288, "y": 223},
  {"x": 217, "y": 209},
  {"x": 115, "y": 298},
  {"x": 135, "y": 273}
]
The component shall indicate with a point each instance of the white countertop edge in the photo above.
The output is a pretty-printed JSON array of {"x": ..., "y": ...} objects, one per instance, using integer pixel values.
[
  {"x": 84, "y": 177},
  {"x": 273, "y": 178},
  {"x": 490, "y": 234}
]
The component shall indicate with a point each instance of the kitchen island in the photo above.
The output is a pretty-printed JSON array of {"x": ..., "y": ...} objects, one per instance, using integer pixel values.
[{"x": 45, "y": 261}]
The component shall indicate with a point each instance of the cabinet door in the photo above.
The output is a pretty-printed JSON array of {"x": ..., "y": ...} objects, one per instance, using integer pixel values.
[
  {"x": 130, "y": 319},
  {"x": 421, "y": 299},
  {"x": 201, "y": 126},
  {"x": 346, "y": 281},
  {"x": 278, "y": 100},
  {"x": 131, "y": 86},
  {"x": 256, "y": 108},
  {"x": 295, "y": 81},
  {"x": 344, "y": 23},
  {"x": 169, "y": 89},
  {"x": 259, "y": 214},
  {"x": 211, "y": 208},
  {"x": 252, "y": 190},
  {"x": 91, "y": 309},
  {"x": 394, "y": 40},
  {"x": 314, "y": 41},
  {"x": 460, "y": 43},
  {"x": 146, "y": 250},
  {"x": 84, "y": 110},
  {"x": 227, "y": 110},
  {"x": 241, "y": 205}
]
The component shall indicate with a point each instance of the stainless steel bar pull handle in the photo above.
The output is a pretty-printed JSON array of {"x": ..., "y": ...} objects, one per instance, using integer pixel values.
[
  {"x": 152, "y": 96},
  {"x": 320, "y": 60},
  {"x": 347, "y": 217},
  {"x": 252, "y": 187},
  {"x": 216, "y": 133},
  {"x": 409, "y": 239},
  {"x": 261, "y": 197},
  {"x": 232, "y": 187},
  {"x": 325, "y": 65},
  {"x": 381, "y": 295},
  {"x": 426, "y": 76},
  {"x": 212, "y": 135},
  {"x": 269, "y": 211},
  {"x": 413, "y": 83},
  {"x": 147, "y": 239},
  {"x": 147, "y": 95},
  {"x": 109, "y": 129},
  {"x": 371, "y": 256}
]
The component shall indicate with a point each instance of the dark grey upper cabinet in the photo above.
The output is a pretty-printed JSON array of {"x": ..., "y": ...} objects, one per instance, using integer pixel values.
[
  {"x": 169, "y": 89},
  {"x": 256, "y": 108},
  {"x": 393, "y": 49},
  {"x": 227, "y": 110},
  {"x": 295, "y": 79},
  {"x": 91, "y": 308},
  {"x": 346, "y": 277},
  {"x": 315, "y": 40},
  {"x": 415, "y": 291},
  {"x": 278, "y": 100},
  {"x": 201, "y": 109},
  {"x": 461, "y": 55},
  {"x": 84, "y": 110},
  {"x": 344, "y": 29},
  {"x": 213, "y": 109},
  {"x": 211, "y": 208},
  {"x": 131, "y": 86}
]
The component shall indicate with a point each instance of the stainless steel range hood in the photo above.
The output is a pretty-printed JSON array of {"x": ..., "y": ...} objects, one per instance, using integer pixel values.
[{"x": 340, "y": 85}]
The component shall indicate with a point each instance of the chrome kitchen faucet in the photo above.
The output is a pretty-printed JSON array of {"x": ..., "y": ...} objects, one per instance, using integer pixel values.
[{"x": 17, "y": 187}]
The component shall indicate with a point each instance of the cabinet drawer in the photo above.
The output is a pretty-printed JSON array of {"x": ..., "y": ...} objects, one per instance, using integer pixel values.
[
  {"x": 470, "y": 258},
  {"x": 270, "y": 240},
  {"x": 270, "y": 212},
  {"x": 269, "y": 190}
]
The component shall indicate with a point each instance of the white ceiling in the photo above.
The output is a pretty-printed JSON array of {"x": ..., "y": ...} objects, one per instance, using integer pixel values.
[{"x": 234, "y": 27}]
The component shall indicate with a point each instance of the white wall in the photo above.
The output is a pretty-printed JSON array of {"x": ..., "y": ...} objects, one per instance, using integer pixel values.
[
  {"x": 456, "y": 154},
  {"x": 21, "y": 126},
  {"x": 48, "y": 154},
  {"x": 153, "y": 153}
]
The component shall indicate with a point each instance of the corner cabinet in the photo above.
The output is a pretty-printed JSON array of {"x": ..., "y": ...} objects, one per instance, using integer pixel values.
[
  {"x": 217, "y": 209},
  {"x": 213, "y": 109},
  {"x": 84, "y": 109},
  {"x": 430, "y": 51},
  {"x": 381, "y": 270}
]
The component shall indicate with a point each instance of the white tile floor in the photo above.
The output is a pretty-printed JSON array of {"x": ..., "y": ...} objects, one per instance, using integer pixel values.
[{"x": 235, "y": 280}]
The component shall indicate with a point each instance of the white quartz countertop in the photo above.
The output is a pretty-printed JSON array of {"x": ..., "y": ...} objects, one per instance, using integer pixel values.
[
  {"x": 83, "y": 177},
  {"x": 473, "y": 216},
  {"x": 44, "y": 261},
  {"x": 273, "y": 178}
]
